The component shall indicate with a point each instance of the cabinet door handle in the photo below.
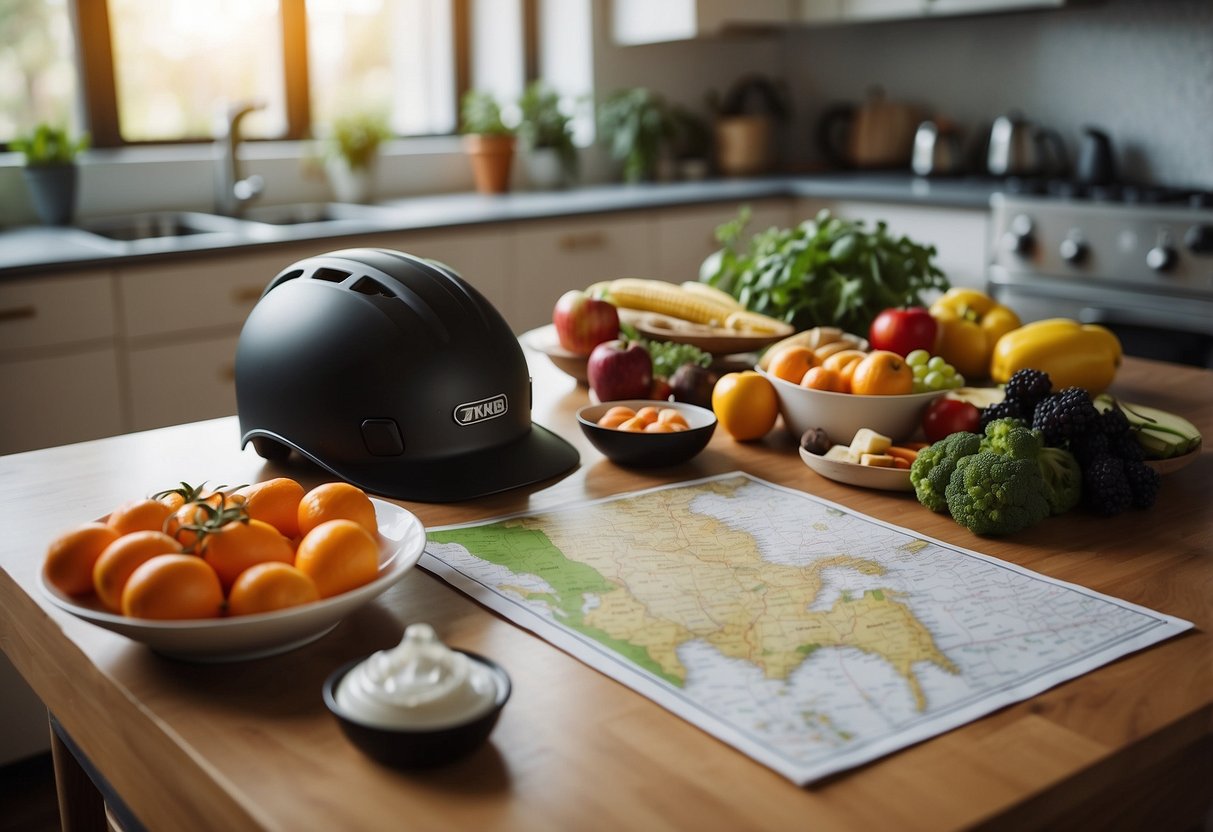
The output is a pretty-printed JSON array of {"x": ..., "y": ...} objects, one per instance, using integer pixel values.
[
  {"x": 246, "y": 294},
  {"x": 18, "y": 313},
  {"x": 579, "y": 242}
]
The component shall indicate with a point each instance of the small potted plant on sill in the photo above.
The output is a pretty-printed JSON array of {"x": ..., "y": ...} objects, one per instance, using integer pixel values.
[
  {"x": 351, "y": 154},
  {"x": 547, "y": 138},
  {"x": 50, "y": 171},
  {"x": 635, "y": 124},
  {"x": 488, "y": 141}
]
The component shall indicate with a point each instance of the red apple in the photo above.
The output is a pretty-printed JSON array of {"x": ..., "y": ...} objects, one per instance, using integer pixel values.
[
  {"x": 583, "y": 322},
  {"x": 620, "y": 370},
  {"x": 945, "y": 417},
  {"x": 903, "y": 330}
]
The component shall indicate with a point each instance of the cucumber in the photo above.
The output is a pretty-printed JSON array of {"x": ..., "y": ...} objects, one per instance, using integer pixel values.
[{"x": 1161, "y": 435}]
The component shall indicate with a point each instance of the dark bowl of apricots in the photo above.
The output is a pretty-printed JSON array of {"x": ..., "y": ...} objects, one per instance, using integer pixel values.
[{"x": 639, "y": 433}]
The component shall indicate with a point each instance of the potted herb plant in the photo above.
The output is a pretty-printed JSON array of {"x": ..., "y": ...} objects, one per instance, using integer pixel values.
[
  {"x": 352, "y": 150},
  {"x": 488, "y": 141},
  {"x": 50, "y": 171},
  {"x": 635, "y": 123},
  {"x": 547, "y": 138}
]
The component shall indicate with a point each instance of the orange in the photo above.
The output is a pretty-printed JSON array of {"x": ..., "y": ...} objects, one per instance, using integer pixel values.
[
  {"x": 882, "y": 373},
  {"x": 648, "y": 414},
  {"x": 336, "y": 501},
  {"x": 173, "y": 587},
  {"x": 122, "y": 557},
  {"x": 189, "y": 514},
  {"x": 276, "y": 502},
  {"x": 746, "y": 405},
  {"x": 139, "y": 516},
  {"x": 338, "y": 555},
  {"x": 844, "y": 363},
  {"x": 616, "y": 416},
  {"x": 670, "y": 416},
  {"x": 633, "y": 425},
  {"x": 270, "y": 586},
  {"x": 819, "y": 378},
  {"x": 792, "y": 362},
  {"x": 71, "y": 557},
  {"x": 236, "y": 546}
]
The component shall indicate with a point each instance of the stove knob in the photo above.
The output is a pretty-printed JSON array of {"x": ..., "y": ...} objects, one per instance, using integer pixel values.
[
  {"x": 1073, "y": 251},
  {"x": 1018, "y": 238},
  {"x": 1161, "y": 258},
  {"x": 1199, "y": 239}
]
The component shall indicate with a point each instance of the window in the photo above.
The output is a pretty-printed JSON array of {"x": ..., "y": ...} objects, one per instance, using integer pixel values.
[{"x": 37, "y": 69}]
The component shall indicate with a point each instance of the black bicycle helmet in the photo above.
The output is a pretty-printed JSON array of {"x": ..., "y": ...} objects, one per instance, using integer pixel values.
[{"x": 396, "y": 375}]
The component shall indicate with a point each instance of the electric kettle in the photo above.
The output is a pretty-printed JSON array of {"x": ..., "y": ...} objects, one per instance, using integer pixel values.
[
  {"x": 1020, "y": 148},
  {"x": 937, "y": 150}
]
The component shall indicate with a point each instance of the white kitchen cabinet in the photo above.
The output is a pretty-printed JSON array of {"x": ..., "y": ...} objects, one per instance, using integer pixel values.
[
  {"x": 552, "y": 256},
  {"x": 59, "y": 377},
  {"x": 685, "y": 236},
  {"x": 644, "y": 21},
  {"x": 960, "y": 235},
  {"x": 182, "y": 381}
]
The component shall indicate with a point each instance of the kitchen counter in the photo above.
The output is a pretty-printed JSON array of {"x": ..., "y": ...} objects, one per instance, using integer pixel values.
[
  {"x": 251, "y": 746},
  {"x": 33, "y": 249}
]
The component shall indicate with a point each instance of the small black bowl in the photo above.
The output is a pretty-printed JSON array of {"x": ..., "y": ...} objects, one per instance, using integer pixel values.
[
  {"x": 648, "y": 450},
  {"x": 419, "y": 747}
]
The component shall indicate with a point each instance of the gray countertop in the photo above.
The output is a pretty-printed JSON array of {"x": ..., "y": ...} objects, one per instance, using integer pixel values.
[{"x": 35, "y": 249}]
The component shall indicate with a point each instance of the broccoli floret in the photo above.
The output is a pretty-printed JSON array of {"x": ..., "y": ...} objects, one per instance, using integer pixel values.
[
  {"x": 1012, "y": 437},
  {"x": 1063, "y": 479},
  {"x": 991, "y": 494},
  {"x": 934, "y": 465}
]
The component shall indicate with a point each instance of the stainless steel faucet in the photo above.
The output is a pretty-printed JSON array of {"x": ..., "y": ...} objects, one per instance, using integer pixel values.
[{"x": 231, "y": 191}]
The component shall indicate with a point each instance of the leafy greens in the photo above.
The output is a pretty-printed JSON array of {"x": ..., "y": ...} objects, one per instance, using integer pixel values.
[{"x": 827, "y": 271}]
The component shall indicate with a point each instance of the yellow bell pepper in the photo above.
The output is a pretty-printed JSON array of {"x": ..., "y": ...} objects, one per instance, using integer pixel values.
[
  {"x": 970, "y": 324},
  {"x": 1073, "y": 354}
]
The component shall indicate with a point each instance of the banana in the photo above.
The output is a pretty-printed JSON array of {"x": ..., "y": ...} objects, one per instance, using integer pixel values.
[{"x": 826, "y": 350}]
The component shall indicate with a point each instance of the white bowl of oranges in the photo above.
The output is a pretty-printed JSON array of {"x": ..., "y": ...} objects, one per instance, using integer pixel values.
[
  {"x": 846, "y": 391},
  {"x": 215, "y": 575}
]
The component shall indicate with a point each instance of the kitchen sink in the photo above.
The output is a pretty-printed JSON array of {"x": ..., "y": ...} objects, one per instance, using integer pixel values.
[
  {"x": 160, "y": 224},
  {"x": 309, "y": 212}
]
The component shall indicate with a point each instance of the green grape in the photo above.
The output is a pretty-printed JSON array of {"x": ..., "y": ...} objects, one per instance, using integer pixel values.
[
  {"x": 919, "y": 370},
  {"x": 918, "y": 358},
  {"x": 947, "y": 370},
  {"x": 936, "y": 363},
  {"x": 934, "y": 381}
]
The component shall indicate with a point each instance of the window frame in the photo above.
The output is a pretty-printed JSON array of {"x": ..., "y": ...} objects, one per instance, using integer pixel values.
[{"x": 98, "y": 99}]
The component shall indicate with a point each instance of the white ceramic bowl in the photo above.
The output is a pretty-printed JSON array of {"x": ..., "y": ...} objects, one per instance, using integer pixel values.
[
  {"x": 841, "y": 415},
  {"x": 402, "y": 540},
  {"x": 865, "y": 476}
]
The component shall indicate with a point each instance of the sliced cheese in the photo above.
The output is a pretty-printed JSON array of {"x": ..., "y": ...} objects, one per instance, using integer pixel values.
[
  {"x": 877, "y": 460},
  {"x": 841, "y": 453}
]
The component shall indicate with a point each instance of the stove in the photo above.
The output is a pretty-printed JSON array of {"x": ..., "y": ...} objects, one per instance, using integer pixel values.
[{"x": 1137, "y": 259}]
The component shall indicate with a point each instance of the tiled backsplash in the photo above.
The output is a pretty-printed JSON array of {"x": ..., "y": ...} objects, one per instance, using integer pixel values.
[{"x": 1141, "y": 69}]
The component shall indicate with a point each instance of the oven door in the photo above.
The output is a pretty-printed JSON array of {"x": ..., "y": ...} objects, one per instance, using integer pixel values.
[{"x": 1149, "y": 325}]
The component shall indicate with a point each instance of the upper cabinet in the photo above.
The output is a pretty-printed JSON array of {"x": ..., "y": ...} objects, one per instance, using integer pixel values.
[
  {"x": 837, "y": 11},
  {"x": 645, "y": 21}
]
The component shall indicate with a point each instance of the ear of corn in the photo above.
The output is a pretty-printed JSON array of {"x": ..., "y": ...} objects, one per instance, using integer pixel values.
[
  {"x": 667, "y": 299},
  {"x": 703, "y": 290},
  {"x": 746, "y": 321}
]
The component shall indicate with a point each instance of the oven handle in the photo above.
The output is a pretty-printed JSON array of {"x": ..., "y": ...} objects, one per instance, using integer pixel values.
[{"x": 1126, "y": 317}]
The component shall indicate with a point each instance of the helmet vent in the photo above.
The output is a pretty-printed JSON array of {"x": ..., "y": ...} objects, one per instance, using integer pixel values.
[
  {"x": 370, "y": 286},
  {"x": 331, "y": 275}
]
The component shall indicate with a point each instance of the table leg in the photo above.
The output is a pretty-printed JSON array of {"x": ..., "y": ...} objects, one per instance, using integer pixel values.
[{"x": 81, "y": 808}]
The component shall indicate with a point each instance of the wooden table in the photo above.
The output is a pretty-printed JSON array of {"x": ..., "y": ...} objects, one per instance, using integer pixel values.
[{"x": 250, "y": 745}]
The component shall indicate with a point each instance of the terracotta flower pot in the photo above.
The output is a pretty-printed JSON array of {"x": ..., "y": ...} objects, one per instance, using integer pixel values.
[{"x": 492, "y": 156}]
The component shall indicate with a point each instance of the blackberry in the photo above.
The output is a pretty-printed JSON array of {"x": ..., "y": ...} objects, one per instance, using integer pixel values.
[
  {"x": 1143, "y": 483},
  {"x": 1028, "y": 387},
  {"x": 1114, "y": 422},
  {"x": 1105, "y": 487},
  {"x": 1089, "y": 446},
  {"x": 1005, "y": 409},
  {"x": 1064, "y": 415},
  {"x": 1125, "y": 446}
]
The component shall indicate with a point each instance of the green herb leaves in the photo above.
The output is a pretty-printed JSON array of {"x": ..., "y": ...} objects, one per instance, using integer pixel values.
[{"x": 827, "y": 271}]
